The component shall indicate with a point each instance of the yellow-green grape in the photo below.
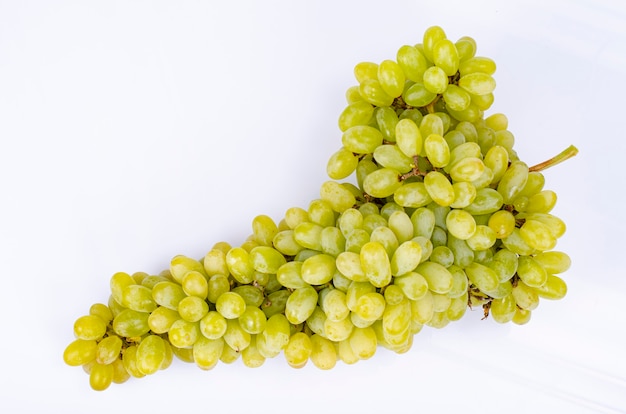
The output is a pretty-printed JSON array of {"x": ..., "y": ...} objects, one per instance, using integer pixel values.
[
  {"x": 503, "y": 310},
  {"x": 525, "y": 297},
  {"x": 541, "y": 202},
  {"x": 556, "y": 226},
  {"x": 251, "y": 356},
  {"x": 315, "y": 322},
  {"x": 321, "y": 212},
  {"x": 323, "y": 352},
  {"x": 438, "y": 277},
  {"x": 207, "y": 352},
  {"x": 266, "y": 259},
  {"x": 101, "y": 376},
  {"x": 277, "y": 332},
  {"x": 470, "y": 114},
  {"x": 391, "y": 77},
  {"x": 139, "y": 298},
  {"x": 356, "y": 239},
  {"x": 435, "y": 80},
  {"x": 345, "y": 353},
  {"x": 318, "y": 269},
  {"x": 290, "y": 275},
  {"x": 298, "y": 350},
  {"x": 477, "y": 83},
  {"x": 460, "y": 224},
  {"x": 391, "y": 156},
  {"x": 400, "y": 223},
  {"x": 466, "y": 48},
  {"x": 338, "y": 196},
  {"x": 554, "y": 288},
  {"x": 213, "y": 325},
  {"x": 235, "y": 337},
  {"x": 370, "y": 306},
  {"x": 338, "y": 331},
  {"x": 386, "y": 121},
  {"x": 168, "y": 294},
  {"x": 180, "y": 265},
  {"x": 341, "y": 164},
  {"x": 534, "y": 184},
  {"x": 515, "y": 243},
  {"x": 502, "y": 222},
  {"x": 150, "y": 354},
  {"x": 423, "y": 220},
  {"x": 412, "y": 62},
  {"x": 230, "y": 305},
  {"x": 80, "y": 352},
  {"x": 118, "y": 282},
  {"x": 129, "y": 359},
  {"x": 352, "y": 95},
  {"x": 101, "y": 310},
  {"x": 406, "y": 258},
  {"x": 195, "y": 284},
  {"x": 478, "y": 64},
  {"x": 120, "y": 375},
  {"x": 300, "y": 304},
  {"x": 413, "y": 285},
  {"x": 441, "y": 302},
  {"x": 459, "y": 282},
  {"x": 108, "y": 349},
  {"x": 497, "y": 121},
  {"x": 372, "y": 91},
  {"x": 457, "y": 308},
  {"x": 482, "y": 277},
  {"x": 239, "y": 265},
  {"x": 437, "y": 150},
  {"x": 439, "y": 188},
  {"x": 295, "y": 216},
  {"x": 457, "y": 98},
  {"x": 264, "y": 229},
  {"x": 504, "y": 262},
  {"x": 357, "y": 113},
  {"x": 487, "y": 201},
  {"x": 531, "y": 272},
  {"x": 365, "y": 70},
  {"x": 364, "y": 168},
  {"x": 334, "y": 305},
  {"x": 537, "y": 235},
  {"x": 218, "y": 284},
  {"x": 362, "y": 139},
  {"x": 183, "y": 334},
  {"x": 309, "y": 235},
  {"x": 417, "y": 95},
  {"x": 363, "y": 342},
  {"x": 375, "y": 263},
  {"x": 409, "y": 137},
  {"x": 131, "y": 324},
  {"x": 467, "y": 169},
  {"x": 553, "y": 261},
  {"x": 422, "y": 309},
  {"x": 349, "y": 264},
  {"x": 192, "y": 308},
  {"x": 513, "y": 181},
  {"x": 483, "y": 238},
  {"x": 412, "y": 195},
  {"x": 382, "y": 183},
  {"x": 229, "y": 355},
  {"x": 445, "y": 56},
  {"x": 497, "y": 160},
  {"x": 285, "y": 242},
  {"x": 443, "y": 255},
  {"x": 349, "y": 220},
  {"x": 89, "y": 327},
  {"x": 396, "y": 320},
  {"x": 464, "y": 194},
  {"x": 431, "y": 124},
  {"x": 483, "y": 102},
  {"x": 432, "y": 36},
  {"x": 214, "y": 262},
  {"x": 161, "y": 319}
]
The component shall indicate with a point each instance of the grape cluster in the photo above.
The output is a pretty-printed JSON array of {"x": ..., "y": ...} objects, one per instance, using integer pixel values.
[{"x": 441, "y": 216}]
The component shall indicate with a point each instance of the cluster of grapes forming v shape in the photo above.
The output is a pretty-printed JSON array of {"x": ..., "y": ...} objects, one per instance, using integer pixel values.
[{"x": 441, "y": 216}]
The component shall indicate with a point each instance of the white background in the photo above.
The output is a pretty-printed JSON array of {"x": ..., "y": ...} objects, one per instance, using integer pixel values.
[{"x": 131, "y": 131}]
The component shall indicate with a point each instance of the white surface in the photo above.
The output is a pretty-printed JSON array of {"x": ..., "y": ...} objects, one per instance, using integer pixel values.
[{"x": 134, "y": 131}]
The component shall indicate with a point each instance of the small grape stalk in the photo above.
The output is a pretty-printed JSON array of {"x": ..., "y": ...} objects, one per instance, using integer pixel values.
[{"x": 441, "y": 216}]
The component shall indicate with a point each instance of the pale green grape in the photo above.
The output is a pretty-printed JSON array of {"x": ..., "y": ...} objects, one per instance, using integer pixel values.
[
  {"x": 195, "y": 284},
  {"x": 406, "y": 258},
  {"x": 445, "y": 56},
  {"x": 400, "y": 223},
  {"x": 386, "y": 121},
  {"x": 437, "y": 150},
  {"x": 432, "y": 36},
  {"x": 531, "y": 272},
  {"x": 443, "y": 255},
  {"x": 353, "y": 95},
  {"x": 478, "y": 64},
  {"x": 464, "y": 194},
  {"x": 266, "y": 259},
  {"x": 413, "y": 285},
  {"x": 504, "y": 262},
  {"x": 356, "y": 239},
  {"x": 487, "y": 201},
  {"x": 349, "y": 220},
  {"x": 382, "y": 183},
  {"x": 285, "y": 242},
  {"x": 439, "y": 188},
  {"x": 459, "y": 282},
  {"x": 338, "y": 331},
  {"x": 502, "y": 222},
  {"x": 300, "y": 304},
  {"x": 503, "y": 310},
  {"x": 525, "y": 297},
  {"x": 408, "y": 137},
  {"x": 218, "y": 284},
  {"x": 441, "y": 302},
  {"x": 396, "y": 319},
  {"x": 412, "y": 195},
  {"x": 192, "y": 308},
  {"x": 461, "y": 224},
  {"x": 386, "y": 237},
  {"x": 467, "y": 169},
  {"x": 391, "y": 77},
  {"x": 513, "y": 181},
  {"x": 316, "y": 321},
  {"x": 120, "y": 375},
  {"x": 309, "y": 235},
  {"x": 483, "y": 238},
  {"x": 363, "y": 342},
  {"x": 349, "y": 264},
  {"x": 391, "y": 156},
  {"x": 339, "y": 197},
  {"x": 341, "y": 164},
  {"x": 251, "y": 356},
  {"x": 323, "y": 352},
  {"x": 235, "y": 337},
  {"x": 435, "y": 80},
  {"x": 213, "y": 325},
  {"x": 537, "y": 235},
  {"x": 230, "y": 305},
  {"x": 290, "y": 275},
  {"x": 334, "y": 305},
  {"x": 418, "y": 95},
  {"x": 477, "y": 83},
  {"x": 412, "y": 62},
  {"x": 214, "y": 262},
  {"x": 101, "y": 310},
  {"x": 423, "y": 220},
  {"x": 298, "y": 350},
  {"x": 264, "y": 229},
  {"x": 362, "y": 139},
  {"x": 318, "y": 269},
  {"x": 541, "y": 202},
  {"x": 321, "y": 212},
  {"x": 375, "y": 263},
  {"x": 438, "y": 277},
  {"x": 370, "y": 306},
  {"x": 129, "y": 359},
  {"x": 295, "y": 216},
  {"x": 180, "y": 265},
  {"x": 483, "y": 277},
  {"x": 239, "y": 265},
  {"x": 356, "y": 113},
  {"x": 372, "y": 91}
]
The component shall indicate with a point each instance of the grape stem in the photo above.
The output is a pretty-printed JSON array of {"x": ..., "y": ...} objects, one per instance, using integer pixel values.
[{"x": 566, "y": 154}]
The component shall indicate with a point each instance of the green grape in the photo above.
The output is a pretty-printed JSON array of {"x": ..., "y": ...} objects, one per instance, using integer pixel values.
[
  {"x": 214, "y": 262},
  {"x": 161, "y": 319},
  {"x": 375, "y": 263},
  {"x": 412, "y": 62},
  {"x": 382, "y": 183},
  {"x": 150, "y": 354},
  {"x": 406, "y": 258},
  {"x": 131, "y": 324},
  {"x": 338, "y": 331},
  {"x": 422, "y": 309},
  {"x": 396, "y": 319},
  {"x": 334, "y": 305},
  {"x": 408, "y": 137},
  {"x": 482, "y": 102},
  {"x": 461, "y": 224},
  {"x": 349, "y": 220},
  {"x": 464, "y": 194},
  {"x": 497, "y": 160},
  {"x": 195, "y": 284},
  {"x": 413, "y": 285},
  {"x": 487, "y": 201},
  {"x": 554, "y": 288},
  {"x": 391, "y": 156},
  {"x": 235, "y": 337},
  {"x": 229, "y": 355},
  {"x": 295, "y": 216},
  {"x": 386, "y": 237},
  {"x": 102, "y": 311},
  {"x": 251, "y": 355},
  {"x": 363, "y": 342},
  {"x": 183, "y": 334},
  {"x": 445, "y": 56},
  {"x": 230, "y": 305},
  {"x": 457, "y": 308},
  {"x": 504, "y": 262},
  {"x": 207, "y": 352},
  {"x": 266, "y": 259},
  {"x": 264, "y": 229},
  {"x": 290, "y": 275},
  {"x": 240, "y": 265},
  {"x": 341, "y": 164},
  {"x": 467, "y": 169},
  {"x": 89, "y": 327},
  {"x": 356, "y": 113},
  {"x": 318, "y": 269},
  {"x": 466, "y": 48},
  {"x": 441, "y": 302},
  {"x": 412, "y": 195},
  {"x": 443, "y": 255},
  {"x": 356, "y": 239},
  {"x": 418, "y": 95},
  {"x": 285, "y": 242},
  {"x": 309, "y": 235},
  {"x": 438, "y": 277},
  {"x": 483, "y": 277},
  {"x": 531, "y": 272},
  {"x": 477, "y": 83},
  {"x": 386, "y": 121},
  {"x": 477, "y": 64},
  {"x": 117, "y": 284},
  {"x": 213, "y": 325},
  {"x": 168, "y": 294},
  {"x": 437, "y": 150},
  {"x": 391, "y": 77},
  {"x": 401, "y": 225},
  {"x": 483, "y": 238},
  {"x": 349, "y": 265},
  {"x": 513, "y": 181},
  {"x": 503, "y": 310},
  {"x": 352, "y": 95},
  {"x": 555, "y": 225},
  {"x": 541, "y": 202},
  {"x": 432, "y": 36},
  {"x": 300, "y": 304},
  {"x": 101, "y": 376},
  {"x": 435, "y": 80},
  {"x": 120, "y": 375},
  {"x": 298, "y": 350},
  {"x": 365, "y": 70},
  {"x": 459, "y": 282},
  {"x": 218, "y": 284},
  {"x": 553, "y": 261},
  {"x": 80, "y": 352},
  {"x": 323, "y": 352},
  {"x": 277, "y": 332},
  {"x": 457, "y": 99},
  {"x": 321, "y": 213},
  {"x": 537, "y": 235},
  {"x": 129, "y": 359},
  {"x": 339, "y": 197},
  {"x": 192, "y": 308},
  {"x": 525, "y": 297},
  {"x": 502, "y": 222},
  {"x": 139, "y": 298},
  {"x": 439, "y": 188},
  {"x": 370, "y": 306},
  {"x": 180, "y": 265},
  {"x": 423, "y": 220},
  {"x": 372, "y": 91},
  {"x": 108, "y": 349}
]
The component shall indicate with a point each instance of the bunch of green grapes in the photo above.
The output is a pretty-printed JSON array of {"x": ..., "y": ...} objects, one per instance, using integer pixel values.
[{"x": 441, "y": 216}]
